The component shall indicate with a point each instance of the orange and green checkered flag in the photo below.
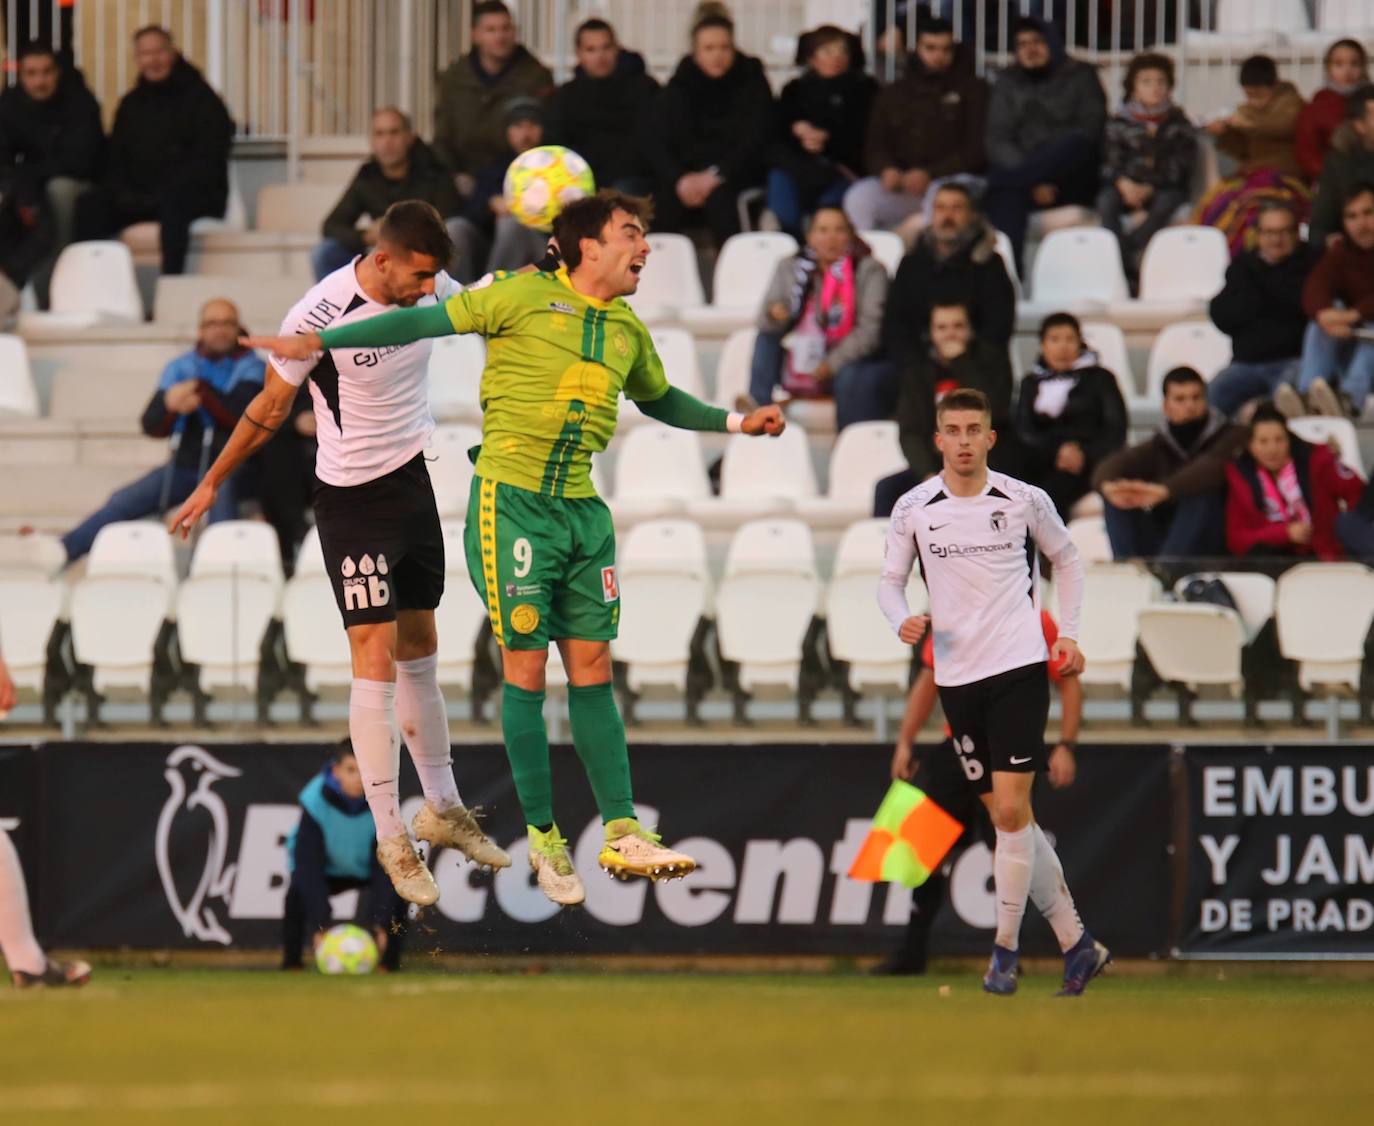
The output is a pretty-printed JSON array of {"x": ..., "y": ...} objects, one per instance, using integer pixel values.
[{"x": 909, "y": 838}]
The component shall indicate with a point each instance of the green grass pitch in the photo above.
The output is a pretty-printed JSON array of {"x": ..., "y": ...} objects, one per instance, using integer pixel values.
[{"x": 207, "y": 1047}]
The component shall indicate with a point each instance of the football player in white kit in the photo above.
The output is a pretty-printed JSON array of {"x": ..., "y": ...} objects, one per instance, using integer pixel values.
[
  {"x": 976, "y": 535},
  {"x": 379, "y": 530}
]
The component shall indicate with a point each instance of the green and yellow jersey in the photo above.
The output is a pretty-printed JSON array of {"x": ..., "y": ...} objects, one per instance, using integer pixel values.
[{"x": 557, "y": 364}]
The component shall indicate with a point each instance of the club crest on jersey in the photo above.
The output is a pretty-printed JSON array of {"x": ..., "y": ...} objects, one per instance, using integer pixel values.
[
  {"x": 610, "y": 586},
  {"x": 363, "y": 585},
  {"x": 998, "y": 520},
  {"x": 622, "y": 346}
]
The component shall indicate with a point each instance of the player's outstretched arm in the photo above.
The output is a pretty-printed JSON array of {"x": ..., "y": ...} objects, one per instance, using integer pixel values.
[
  {"x": 262, "y": 419},
  {"x": 677, "y": 408},
  {"x": 400, "y": 326}
]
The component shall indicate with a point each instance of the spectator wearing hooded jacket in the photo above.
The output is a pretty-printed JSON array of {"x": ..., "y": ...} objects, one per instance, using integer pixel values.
[
  {"x": 822, "y": 115},
  {"x": 469, "y": 112},
  {"x": 1070, "y": 414},
  {"x": 1350, "y": 161},
  {"x": 925, "y": 127},
  {"x": 589, "y": 114},
  {"x": 52, "y": 148},
  {"x": 197, "y": 404},
  {"x": 168, "y": 153},
  {"x": 707, "y": 132},
  {"x": 1044, "y": 133},
  {"x": 1284, "y": 495},
  {"x": 1346, "y": 67}
]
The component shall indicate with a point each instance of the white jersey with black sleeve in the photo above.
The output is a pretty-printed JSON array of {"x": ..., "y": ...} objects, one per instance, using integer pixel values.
[
  {"x": 371, "y": 404},
  {"x": 979, "y": 561}
]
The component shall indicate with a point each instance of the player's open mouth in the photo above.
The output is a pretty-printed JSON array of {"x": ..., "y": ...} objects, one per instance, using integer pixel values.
[{"x": 635, "y": 267}]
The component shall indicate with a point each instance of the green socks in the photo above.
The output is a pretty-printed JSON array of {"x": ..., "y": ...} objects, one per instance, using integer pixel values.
[
  {"x": 527, "y": 747},
  {"x": 599, "y": 736}
]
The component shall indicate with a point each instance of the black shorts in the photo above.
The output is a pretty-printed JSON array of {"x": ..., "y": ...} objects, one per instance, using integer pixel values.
[
  {"x": 383, "y": 544},
  {"x": 999, "y": 723},
  {"x": 941, "y": 776}
]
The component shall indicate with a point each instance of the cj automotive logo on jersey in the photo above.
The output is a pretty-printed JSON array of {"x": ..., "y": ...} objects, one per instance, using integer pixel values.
[{"x": 363, "y": 587}]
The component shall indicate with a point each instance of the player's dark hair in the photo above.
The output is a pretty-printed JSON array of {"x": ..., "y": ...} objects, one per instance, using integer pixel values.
[
  {"x": 1266, "y": 412},
  {"x": 1151, "y": 60},
  {"x": 153, "y": 29},
  {"x": 1357, "y": 101},
  {"x": 342, "y": 751},
  {"x": 963, "y": 399},
  {"x": 713, "y": 19},
  {"x": 958, "y": 187},
  {"x": 593, "y": 24},
  {"x": 1060, "y": 320},
  {"x": 1357, "y": 189},
  {"x": 35, "y": 47},
  {"x": 415, "y": 226},
  {"x": 487, "y": 8},
  {"x": 1182, "y": 377},
  {"x": 932, "y": 25},
  {"x": 587, "y": 218},
  {"x": 1259, "y": 70},
  {"x": 1349, "y": 45}
]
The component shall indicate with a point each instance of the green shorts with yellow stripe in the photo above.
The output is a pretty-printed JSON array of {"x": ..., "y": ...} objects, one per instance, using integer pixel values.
[{"x": 545, "y": 566}]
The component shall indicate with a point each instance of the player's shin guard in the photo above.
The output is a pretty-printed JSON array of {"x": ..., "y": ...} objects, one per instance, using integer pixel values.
[
  {"x": 377, "y": 747},
  {"x": 527, "y": 747},
  {"x": 424, "y": 727},
  {"x": 1012, "y": 865},
  {"x": 21, "y": 950},
  {"x": 599, "y": 735},
  {"x": 1050, "y": 893}
]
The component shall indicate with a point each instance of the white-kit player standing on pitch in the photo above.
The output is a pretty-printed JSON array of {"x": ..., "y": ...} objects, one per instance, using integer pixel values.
[
  {"x": 379, "y": 530},
  {"x": 975, "y": 534}
]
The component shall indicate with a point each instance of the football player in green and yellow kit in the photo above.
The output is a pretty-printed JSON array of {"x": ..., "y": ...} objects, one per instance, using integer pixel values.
[{"x": 562, "y": 347}]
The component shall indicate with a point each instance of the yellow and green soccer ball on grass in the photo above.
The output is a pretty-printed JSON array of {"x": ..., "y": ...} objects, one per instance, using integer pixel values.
[
  {"x": 542, "y": 181},
  {"x": 346, "y": 949}
]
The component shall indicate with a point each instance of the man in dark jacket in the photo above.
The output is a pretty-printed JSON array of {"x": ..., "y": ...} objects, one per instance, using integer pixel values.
[
  {"x": 707, "y": 132},
  {"x": 1350, "y": 161},
  {"x": 592, "y": 113},
  {"x": 52, "y": 147},
  {"x": 469, "y": 112},
  {"x": 1260, "y": 309},
  {"x": 954, "y": 262},
  {"x": 168, "y": 154},
  {"x": 1044, "y": 134},
  {"x": 924, "y": 127},
  {"x": 197, "y": 404},
  {"x": 402, "y": 167},
  {"x": 1167, "y": 496}
]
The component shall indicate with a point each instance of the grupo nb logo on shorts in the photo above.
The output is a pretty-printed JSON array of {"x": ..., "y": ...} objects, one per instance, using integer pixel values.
[{"x": 363, "y": 585}]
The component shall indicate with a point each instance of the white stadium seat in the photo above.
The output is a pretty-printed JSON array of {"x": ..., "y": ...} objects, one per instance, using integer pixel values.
[
  {"x": 313, "y": 631},
  {"x": 732, "y": 367},
  {"x": 1077, "y": 271},
  {"x": 1193, "y": 644},
  {"x": 18, "y": 395},
  {"x": 310, "y": 556},
  {"x": 1113, "y": 596},
  {"x": 93, "y": 282},
  {"x": 1008, "y": 256},
  {"x": 116, "y": 619},
  {"x": 298, "y": 208},
  {"x": 262, "y": 302},
  {"x": 1252, "y": 593},
  {"x": 31, "y": 605},
  {"x": 450, "y": 468},
  {"x": 35, "y": 554},
  {"x": 134, "y": 547},
  {"x": 1323, "y": 612},
  {"x": 1341, "y": 17},
  {"x": 677, "y": 349},
  {"x": 236, "y": 547},
  {"x": 1241, "y": 24},
  {"x": 1199, "y": 345},
  {"x": 670, "y": 280},
  {"x": 658, "y": 472},
  {"x": 1109, "y": 342},
  {"x": 1182, "y": 270},
  {"x": 1325, "y": 430},
  {"x": 864, "y": 454},
  {"x": 1089, "y": 535},
  {"x": 744, "y": 269},
  {"x": 455, "y": 378},
  {"x": 887, "y": 248},
  {"x": 759, "y": 477},
  {"x": 459, "y": 617}
]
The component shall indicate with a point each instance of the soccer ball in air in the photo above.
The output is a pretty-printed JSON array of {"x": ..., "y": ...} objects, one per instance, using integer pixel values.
[
  {"x": 346, "y": 949},
  {"x": 544, "y": 180}
]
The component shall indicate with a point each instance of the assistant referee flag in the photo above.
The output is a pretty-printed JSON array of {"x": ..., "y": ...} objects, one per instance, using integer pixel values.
[{"x": 909, "y": 838}]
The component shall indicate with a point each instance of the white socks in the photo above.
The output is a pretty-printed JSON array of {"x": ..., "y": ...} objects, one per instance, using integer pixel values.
[
  {"x": 424, "y": 727},
  {"x": 17, "y": 943},
  {"x": 377, "y": 747},
  {"x": 1050, "y": 893},
  {"x": 1012, "y": 864}
]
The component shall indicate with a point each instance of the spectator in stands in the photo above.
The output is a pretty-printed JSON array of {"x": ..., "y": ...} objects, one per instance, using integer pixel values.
[
  {"x": 402, "y": 167},
  {"x": 954, "y": 261},
  {"x": 1347, "y": 69},
  {"x": 590, "y": 114},
  {"x": 1284, "y": 494},
  {"x": 52, "y": 147},
  {"x": 1355, "y": 526},
  {"x": 707, "y": 132},
  {"x": 1070, "y": 414},
  {"x": 198, "y": 401},
  {"x": 332, "y": 849},
  {"x": 823, "y": 113},
  {"x": 1260, "y": 309},
  {"x": 955, "y": 358},
  {"x": 168, "y": 153},
  {"x": 820, "y": 325},
  {"x": 487, "y": 236},
  {"x": 1350, "y": 162},
  {"x": 1149, "y": 150},
  {"x": 1261, "y": 137},
  {"x": 1044, "y": 132},
  {"x": 1339, "y": 300},
  {"x": 286, "y": 477},
  {"x": 926, "y": 126},
  {"x": 1167, "y": 496},
  {"x": 469, "y": 111}
]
